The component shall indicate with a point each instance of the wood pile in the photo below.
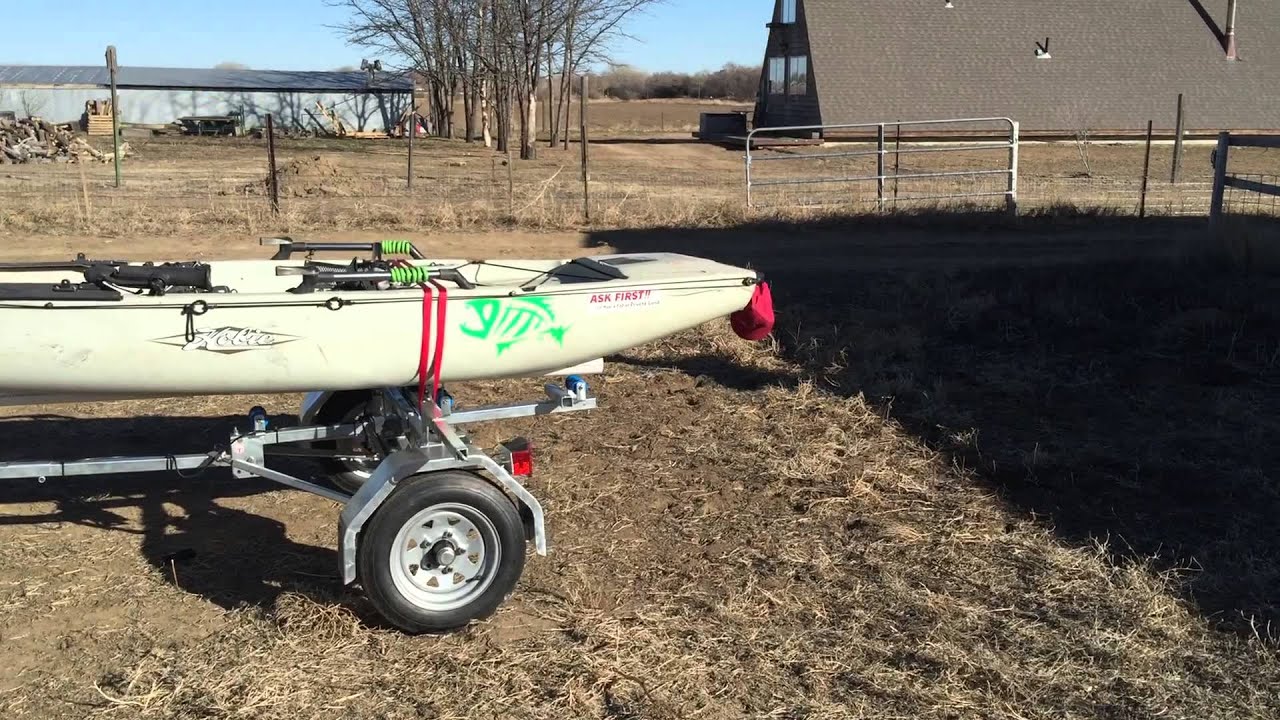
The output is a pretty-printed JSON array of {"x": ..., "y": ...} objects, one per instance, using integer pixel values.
[
  {"x": 37, "y": 141},
  {"x": 98, "y": 117},
  {"x": 336, "y": 126}
]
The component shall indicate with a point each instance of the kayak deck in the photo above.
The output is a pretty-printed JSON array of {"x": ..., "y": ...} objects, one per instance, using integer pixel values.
[
  {"x": 296, "y": 324},
  {"x": 90, "y": 281}
]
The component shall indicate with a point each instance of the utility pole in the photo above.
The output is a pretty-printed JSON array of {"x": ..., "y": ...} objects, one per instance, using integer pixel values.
[{"x": 115, "y": 109}]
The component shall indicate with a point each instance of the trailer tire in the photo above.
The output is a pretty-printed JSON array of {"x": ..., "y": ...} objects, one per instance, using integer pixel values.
[{"x": 404, "y": 552}]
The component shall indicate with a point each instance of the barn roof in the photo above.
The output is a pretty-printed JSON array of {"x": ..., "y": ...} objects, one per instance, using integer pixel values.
[
  {"x": 152, "y": 78},
  {"x": 1113, "y": 65}
]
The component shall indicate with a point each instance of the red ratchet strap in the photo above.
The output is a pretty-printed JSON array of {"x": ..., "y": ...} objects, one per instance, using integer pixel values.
[
  {"x": 426, "y": 362},
  {"x": 442, "y": 304},
  {"x": 425, "y": 351}
]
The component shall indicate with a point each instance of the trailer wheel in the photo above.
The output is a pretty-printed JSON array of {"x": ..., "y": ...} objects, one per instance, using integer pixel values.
[{"x": 446, "y": 548}]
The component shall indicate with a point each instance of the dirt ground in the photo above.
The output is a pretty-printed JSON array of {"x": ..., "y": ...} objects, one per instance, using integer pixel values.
[
  {"x": 978, "y": 472},
  {"x": 986, "y": 467}
]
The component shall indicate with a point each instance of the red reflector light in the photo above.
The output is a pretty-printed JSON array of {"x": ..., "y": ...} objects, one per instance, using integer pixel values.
[{"x": 522, "y": 463}]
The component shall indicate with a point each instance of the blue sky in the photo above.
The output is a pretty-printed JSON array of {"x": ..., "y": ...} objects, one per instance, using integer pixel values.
[{"x": 683, "y": 35}]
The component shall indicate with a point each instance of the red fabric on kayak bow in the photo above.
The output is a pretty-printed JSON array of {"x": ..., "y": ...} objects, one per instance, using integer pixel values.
[{"x": 755, "y": 321}]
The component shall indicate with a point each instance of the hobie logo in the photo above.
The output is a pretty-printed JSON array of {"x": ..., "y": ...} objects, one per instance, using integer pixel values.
[{"x": 227, "y": 340}]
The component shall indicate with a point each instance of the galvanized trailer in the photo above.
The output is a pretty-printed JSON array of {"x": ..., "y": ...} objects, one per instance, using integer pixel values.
[{"x": 434, "y": 532}]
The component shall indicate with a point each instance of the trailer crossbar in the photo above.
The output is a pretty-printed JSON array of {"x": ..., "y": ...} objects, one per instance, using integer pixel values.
[{"x": 109, "y": 466}]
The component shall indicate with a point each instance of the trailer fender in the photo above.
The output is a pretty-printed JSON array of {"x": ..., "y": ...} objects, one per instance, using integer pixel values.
[{"x": 408, "y": 463}]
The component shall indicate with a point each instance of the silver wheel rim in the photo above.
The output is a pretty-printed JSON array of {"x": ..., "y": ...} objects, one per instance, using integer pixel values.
[{"x": 444, "y": 557}]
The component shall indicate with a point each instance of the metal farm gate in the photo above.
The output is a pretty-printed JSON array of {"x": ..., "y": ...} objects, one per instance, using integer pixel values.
[
  {"x": 939, "y": 162},
  {"x": 1243, "y": 194}
]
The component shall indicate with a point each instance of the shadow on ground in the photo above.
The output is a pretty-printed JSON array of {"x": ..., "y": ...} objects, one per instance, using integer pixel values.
[
  {"x": 188, "y": 532},
  {"x": 1099, "y": 377}
]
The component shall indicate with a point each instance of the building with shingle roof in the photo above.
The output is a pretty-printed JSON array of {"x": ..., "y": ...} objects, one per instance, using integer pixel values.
[{"x": 1104, "y": 67}]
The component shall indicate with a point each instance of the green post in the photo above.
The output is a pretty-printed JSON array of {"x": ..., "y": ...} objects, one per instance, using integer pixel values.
[{"x": 115, "y": 109}]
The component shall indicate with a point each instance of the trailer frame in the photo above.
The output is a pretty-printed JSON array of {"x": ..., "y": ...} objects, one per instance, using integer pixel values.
[{"x": 419, "y": 441}]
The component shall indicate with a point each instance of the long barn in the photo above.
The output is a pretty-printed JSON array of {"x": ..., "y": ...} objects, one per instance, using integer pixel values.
[
  {"x": 156, "y": 96},
  {"x": 1097, "y": 66}
]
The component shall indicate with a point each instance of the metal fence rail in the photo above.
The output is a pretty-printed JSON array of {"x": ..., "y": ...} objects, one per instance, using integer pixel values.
[
  {"x": 883, "y": 176},
  {"x": 1224, "y": 179}
]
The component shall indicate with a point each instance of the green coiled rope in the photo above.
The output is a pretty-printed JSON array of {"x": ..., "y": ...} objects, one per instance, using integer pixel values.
[
  {"x": 396, "y": 247},
  {"x": 410, "y": 274}
]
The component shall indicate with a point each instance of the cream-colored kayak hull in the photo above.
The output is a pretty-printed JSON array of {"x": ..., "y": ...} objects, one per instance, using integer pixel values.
[
  {"x": 594, "y": 367},
  {"x": 262, "y": 339}
]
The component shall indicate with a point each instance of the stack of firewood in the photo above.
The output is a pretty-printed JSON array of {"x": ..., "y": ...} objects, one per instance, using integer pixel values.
[
  {"x": 35, "y": 140},
  {"x": 98, "y": 117}
]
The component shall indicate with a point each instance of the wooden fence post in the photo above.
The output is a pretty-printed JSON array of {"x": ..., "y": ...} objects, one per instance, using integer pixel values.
[
  {"x": 413, "y": 130},
  {"x": 1219, "y": 178},
  {"x": 1180, "y": 131},
  {"x": 880, "y": 176},
  {"x": 1146, "y": 174},
  {"x": 273, "y": 178},
  {"x": 112, "y": 67},
  {"x": 586, "y": 153}
]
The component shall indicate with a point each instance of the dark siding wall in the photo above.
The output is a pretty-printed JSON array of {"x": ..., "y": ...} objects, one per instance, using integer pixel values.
[
  {"x": 1111, "y": 71},
  {"x": 791, "y": 40}
]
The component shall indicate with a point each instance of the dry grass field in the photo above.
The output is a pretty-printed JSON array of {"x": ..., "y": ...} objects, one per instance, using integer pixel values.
[
  {"x": 176, "y": 185},
  {"x": 985, "y": 468}
]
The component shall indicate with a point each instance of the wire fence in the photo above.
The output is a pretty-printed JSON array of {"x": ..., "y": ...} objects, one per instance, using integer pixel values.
[
  {"x": 457, "y": 187},
  {"x": 1240, "y": 201},
  {"x": 838, "y": 173}
]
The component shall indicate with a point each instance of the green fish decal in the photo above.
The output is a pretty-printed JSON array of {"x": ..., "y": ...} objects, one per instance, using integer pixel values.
[{"x": 508, "y": 321}]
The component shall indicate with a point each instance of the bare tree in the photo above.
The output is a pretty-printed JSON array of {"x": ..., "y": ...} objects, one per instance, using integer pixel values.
[
  {"x": 491, "y": 52},
  {"x": 32, "y": 103},
  {"x": 589, "y": 28},
  {"x": 413, "y": 32}
]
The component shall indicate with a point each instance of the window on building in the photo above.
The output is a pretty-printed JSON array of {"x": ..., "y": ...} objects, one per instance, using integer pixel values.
[
  {"x": 788, "y": 11},
  {"x": 798, "y": 76},
  {"x": 777, "y": 76}
]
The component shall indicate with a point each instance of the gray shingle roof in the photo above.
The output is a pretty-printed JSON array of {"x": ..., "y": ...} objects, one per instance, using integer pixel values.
[
  {"x": 151, "y": 78},
  {"x": 1114, "y": 63}
]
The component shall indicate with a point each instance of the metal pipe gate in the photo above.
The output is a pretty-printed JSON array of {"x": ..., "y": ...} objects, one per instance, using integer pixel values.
[
  {"x": 1009, "y": 169},
  {"x": 1223, "y": 178}
]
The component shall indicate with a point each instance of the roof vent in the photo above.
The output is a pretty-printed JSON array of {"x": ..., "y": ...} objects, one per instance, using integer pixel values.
[
  {"x": 1042, "y": 51},
  {"x": 948, "y": 5},
  {"x": 1230, "y": 32}
]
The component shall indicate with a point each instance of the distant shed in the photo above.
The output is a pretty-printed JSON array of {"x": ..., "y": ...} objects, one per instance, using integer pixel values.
[{"x": 157, "y": 96}]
